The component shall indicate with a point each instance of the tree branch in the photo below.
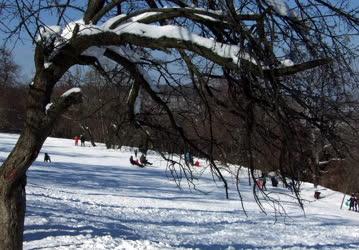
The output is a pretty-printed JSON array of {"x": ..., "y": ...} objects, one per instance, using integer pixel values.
[{"x": 93, "y": 7}]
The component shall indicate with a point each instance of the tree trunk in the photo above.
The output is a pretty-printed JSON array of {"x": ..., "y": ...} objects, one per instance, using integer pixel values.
[
  {"x": 12, "y": 187},
  {"x": 12, "y": 215},
  {"x": 316, "y": 172},
  {"x": 38, "y": 126}
]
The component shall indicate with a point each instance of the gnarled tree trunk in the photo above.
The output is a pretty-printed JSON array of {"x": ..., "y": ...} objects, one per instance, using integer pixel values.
[
  {"x": 12, "y": 214},
  {"x": 38, "y": 125},
  {"x": 12, "y": 184}
]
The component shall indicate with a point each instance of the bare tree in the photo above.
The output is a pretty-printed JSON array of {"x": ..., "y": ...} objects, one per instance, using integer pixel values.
[
  {"x": 12, "y": 93},
  {"x": 257, "y": 46},
  {"x": 9, "y": 70}
]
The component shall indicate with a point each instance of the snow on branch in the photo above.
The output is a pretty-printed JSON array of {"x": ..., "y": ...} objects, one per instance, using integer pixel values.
[
  {"x": 70, "y": 91},
  {"x": 282, "y": 8},
  {"x": 178, "y": 37},
  {"x": 122, "y": 29},
  {"x": 155, "y": 15},
  {"x": 133, "y": 24},
  {"x": 182, "y": 34},
  {"x": 287, "y": 63},
  {"x": 48, "y": 32},
  {"x": 56, "y": 109},
  {"x": 330, "y": 160},
  {"x": 168, "y": 31},
  {"x": 48, "y": 107}
]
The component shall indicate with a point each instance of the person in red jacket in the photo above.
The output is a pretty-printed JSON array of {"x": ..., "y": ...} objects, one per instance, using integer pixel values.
[
  {"x": 76, "y": 138},
  {"x": 197, "y": 164},
  {"x": 135, "y": 162}
]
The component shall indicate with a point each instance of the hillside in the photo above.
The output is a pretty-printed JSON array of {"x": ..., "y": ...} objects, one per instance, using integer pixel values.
[{"x": 92, "y": 198}]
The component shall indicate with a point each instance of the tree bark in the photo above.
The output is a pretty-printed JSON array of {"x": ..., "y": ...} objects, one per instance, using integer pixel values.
[
  {"x": 37, "y": 128},
  {"x": 12, "y": 215},
  {"x": 12, "y": 185}
]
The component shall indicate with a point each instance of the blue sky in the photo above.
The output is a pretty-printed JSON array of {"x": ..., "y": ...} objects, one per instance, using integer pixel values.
[
  {"x": 23, "y": 50},
  {"x": 24, "y": 56}
]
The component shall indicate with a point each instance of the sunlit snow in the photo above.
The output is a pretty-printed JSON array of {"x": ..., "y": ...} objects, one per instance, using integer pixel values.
[{"x": 92, "y": 198}]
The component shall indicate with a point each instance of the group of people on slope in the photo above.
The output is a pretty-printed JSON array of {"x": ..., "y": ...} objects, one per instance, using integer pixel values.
[
  {"x": 81, "y": 138},
  {"x": 262, "y": 181},
  {"x": 77, "y": 138},
  {"x": 142, "y": 162},
  {"x": 188, "y": 158},
  {"x": 353, "y": 202}
]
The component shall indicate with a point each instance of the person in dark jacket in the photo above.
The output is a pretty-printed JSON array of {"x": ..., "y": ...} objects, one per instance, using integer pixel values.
[
  {"x": 188, "y": 158},
  {"x": 83, "y": 140},
  {"x": 47, "y": 158},
  {"x": 274, "y": 181},
  {"x": 352, "y": 201},
  {"x": 143, "y": 160},
  {"x": 264, "y": 181}
]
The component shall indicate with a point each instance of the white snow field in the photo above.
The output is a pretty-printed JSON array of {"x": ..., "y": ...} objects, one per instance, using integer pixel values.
[{"x": 92, "y": 198}]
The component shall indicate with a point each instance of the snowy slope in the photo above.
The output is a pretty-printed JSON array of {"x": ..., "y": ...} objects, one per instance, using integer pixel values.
[{"x": 92, "y": 198}]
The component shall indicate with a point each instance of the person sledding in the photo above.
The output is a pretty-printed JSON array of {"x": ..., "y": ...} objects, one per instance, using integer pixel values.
[
  {"x": 47, "y": 158},
  {"x": 135, "y": 162},
  {"x": 144, "y": 161}
]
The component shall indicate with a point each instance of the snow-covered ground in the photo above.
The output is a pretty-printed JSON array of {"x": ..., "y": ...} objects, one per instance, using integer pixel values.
[{"x": 92, "y": 198}]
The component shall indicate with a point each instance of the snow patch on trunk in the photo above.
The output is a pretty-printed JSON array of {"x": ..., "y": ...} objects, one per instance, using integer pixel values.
[
  {"x": 47, "y": 107},
  {"x": 70, "y": 91}
]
